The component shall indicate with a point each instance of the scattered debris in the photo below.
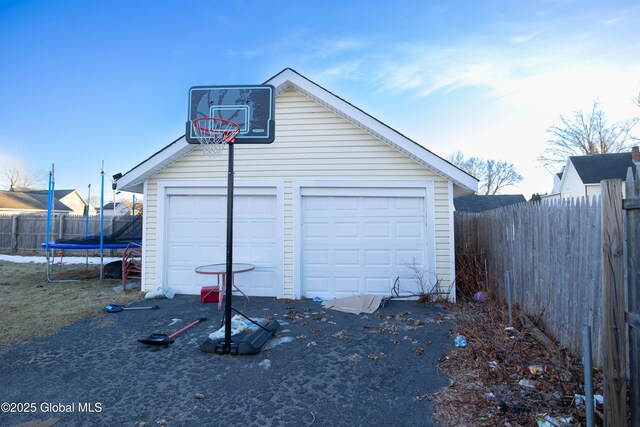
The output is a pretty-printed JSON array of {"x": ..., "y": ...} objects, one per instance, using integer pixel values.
[
  {"x": 396, "y": 342},
  {"x": 355, "y": 357},
  {"x": 426, "y": 396},
  {"x": 341, "y": 335},
  {"x": 418, "y": 351},
  {"x": 534, "y": 370},
  {"x": 312, "y": 344},
  {"x": 527, "y": 383},
  {"x": 494, "y": 366},
  {"x": 460, "y": 341}
]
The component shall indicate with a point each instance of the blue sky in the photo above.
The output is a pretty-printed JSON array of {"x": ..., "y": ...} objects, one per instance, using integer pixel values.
[{"x": 87, "y": 81}]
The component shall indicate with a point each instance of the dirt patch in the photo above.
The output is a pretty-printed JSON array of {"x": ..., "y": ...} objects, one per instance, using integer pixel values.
[
  {"x": 505, "y": 376},
  {"x": 32, "y": 306}
]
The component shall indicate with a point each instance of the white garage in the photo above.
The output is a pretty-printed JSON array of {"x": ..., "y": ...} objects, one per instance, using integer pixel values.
[
  {"x": 196, "y": 235},
  {"x": 359, "y": 240},
  {"x": 339, "y": 204}
]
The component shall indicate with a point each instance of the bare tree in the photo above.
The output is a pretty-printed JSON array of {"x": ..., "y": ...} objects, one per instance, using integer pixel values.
[
  {"x": 585, "y": 134},
  {"x": 16, "y": 176},
  {"x": 494, "y": 175}
]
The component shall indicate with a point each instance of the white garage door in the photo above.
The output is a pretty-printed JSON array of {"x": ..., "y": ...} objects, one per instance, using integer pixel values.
[
  {"x": 196, "y": 235},
  {"x": 359, "y": 245}
]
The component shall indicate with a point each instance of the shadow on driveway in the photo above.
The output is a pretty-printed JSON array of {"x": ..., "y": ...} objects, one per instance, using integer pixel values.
[{"x": 323, "y": 368}]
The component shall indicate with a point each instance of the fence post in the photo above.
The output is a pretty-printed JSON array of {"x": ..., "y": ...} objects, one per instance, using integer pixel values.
[
  {"x": 14, "y": 234},
  {"x": 613, "y": 321},
  {"x": 632, "y": 225},
  {"x": 61, "y": 226}
]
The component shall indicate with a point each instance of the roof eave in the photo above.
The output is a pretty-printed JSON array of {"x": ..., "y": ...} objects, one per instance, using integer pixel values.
[{"x": 133, "y": 180}]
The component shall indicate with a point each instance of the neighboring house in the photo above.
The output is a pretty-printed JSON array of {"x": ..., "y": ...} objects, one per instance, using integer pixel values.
[
  {"x": 481, "y": 203},
  {"x": 581, "y": 175},
  {"x": 71, "y": 198},
  {"x": 340, "y": 204},
  {"x": 15, "y": 202},
  {"x": 119, "y": 209}
]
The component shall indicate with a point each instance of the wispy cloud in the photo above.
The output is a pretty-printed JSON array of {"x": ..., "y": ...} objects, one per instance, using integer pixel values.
[
  {"x": 524, "y": 38},
  {"x": 611, "y": 21}
]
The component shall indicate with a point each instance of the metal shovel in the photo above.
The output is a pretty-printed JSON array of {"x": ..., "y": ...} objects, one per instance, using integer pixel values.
[{"x": 164, "y": 339}]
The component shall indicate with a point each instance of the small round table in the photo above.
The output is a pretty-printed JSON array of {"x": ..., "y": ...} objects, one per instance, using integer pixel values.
[{"x": 220, "y": 270}]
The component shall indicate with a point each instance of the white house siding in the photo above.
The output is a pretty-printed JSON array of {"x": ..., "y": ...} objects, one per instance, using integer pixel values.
[
  {"x": 312, "y": 143},
  {"x": 573, "y": 185}
]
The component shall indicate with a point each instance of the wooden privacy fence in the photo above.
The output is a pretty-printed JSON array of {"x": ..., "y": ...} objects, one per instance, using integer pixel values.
[
  {"x": 553, "y": 254},
  {"x": 573, "y": 263},
  {"x": 24, "y": 233}
]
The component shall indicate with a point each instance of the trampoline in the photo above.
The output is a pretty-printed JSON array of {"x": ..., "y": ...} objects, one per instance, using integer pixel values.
[{"x": 126, "y": 233}]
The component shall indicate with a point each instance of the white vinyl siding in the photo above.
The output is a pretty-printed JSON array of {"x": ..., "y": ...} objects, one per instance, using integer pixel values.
[{"x": 311, "y": 143}]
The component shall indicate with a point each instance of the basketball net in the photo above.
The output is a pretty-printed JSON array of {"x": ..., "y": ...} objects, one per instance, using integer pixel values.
[{"x": 214, "y": 133}]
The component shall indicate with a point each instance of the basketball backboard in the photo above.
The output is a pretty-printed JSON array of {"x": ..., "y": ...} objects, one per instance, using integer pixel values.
[{"x": 250, "y": 106}]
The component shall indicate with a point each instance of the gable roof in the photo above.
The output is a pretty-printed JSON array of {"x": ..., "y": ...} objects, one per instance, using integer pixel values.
[
  {"x": 477, "y": 203},
  {"x": 24, "y": 201},
  {"x": 58, "y": 194},
  {"x": 596, "y": 167},
  {"x": 118, "y": 205},
  {"x": 133, "y": 179}
]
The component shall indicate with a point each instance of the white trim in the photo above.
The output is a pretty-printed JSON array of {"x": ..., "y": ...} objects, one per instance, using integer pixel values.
[
  {"x": 133, "y": 179},
  {"x": 452, "y": 246},
  {"x": 167, "y": 188},
  {"x": 143, "y": 274},
  {"x": 361, "y": 188}
]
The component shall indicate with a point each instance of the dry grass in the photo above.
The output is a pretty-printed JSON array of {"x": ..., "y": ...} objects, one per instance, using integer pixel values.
[
  {"x": 484, "y": 376},
  {"x": 31, "y": 306}
]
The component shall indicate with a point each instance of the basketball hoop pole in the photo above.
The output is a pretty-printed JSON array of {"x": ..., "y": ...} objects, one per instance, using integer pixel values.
[{"x": 229, "y": 273}]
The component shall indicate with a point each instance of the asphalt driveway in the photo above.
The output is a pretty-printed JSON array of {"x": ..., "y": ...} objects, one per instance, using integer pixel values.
[{"x": 323, "y": 368}]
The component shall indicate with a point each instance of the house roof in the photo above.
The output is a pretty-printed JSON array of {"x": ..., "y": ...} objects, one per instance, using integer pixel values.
[
  {"x": 58, "y": 194},
  {"x": 596, "y": 167},
  {"x": 118, "y": 204},
  {"x": 133, "y": 179},
  {"x": 29, "y": 201},
  {"x": 477, "y": 203}
]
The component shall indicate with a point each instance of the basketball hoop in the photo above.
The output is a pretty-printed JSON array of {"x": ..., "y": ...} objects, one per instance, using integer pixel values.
[{"x": 214, "y": 133}]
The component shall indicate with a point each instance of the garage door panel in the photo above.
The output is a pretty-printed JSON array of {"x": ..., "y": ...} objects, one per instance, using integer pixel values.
[
  {"x": 376, "y": 205},
  {"x": 347, "y": 285},
  {"x": 345, "y": 205},
  {"x": 377, "y": 285},
  {"x": 261, "y": 254},
  {"x": 409, "y": 257},
  {"x": 262, "y": 282},
  {"x": 183, "y": 230},
  {"x": 377, "y": 258},
  {"x": 215, "y": 206},
  {"x": 317, "y": 286},
  {"x": 360, "y": 244},
  {"x": 263, "y": 230},
  {"x": 316, "y": 229},
  {"x": 209, "y": 230},
  {"x": 410, "y": 229},
  {"x": 346, "y": 258},
  {"x": 380, "y": 229},
  {"x": 345, "y": 229},
  {"x": 180, "y": 253},
  {"x": 319, "y": 257},
  {"x": 196, "y": 235}
]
